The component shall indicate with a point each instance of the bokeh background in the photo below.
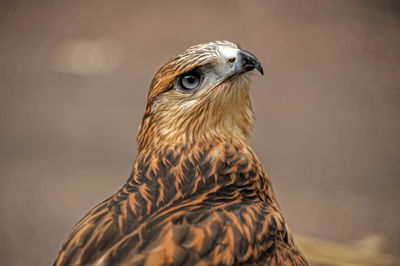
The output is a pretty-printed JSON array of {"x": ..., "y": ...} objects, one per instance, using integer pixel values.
[{"x": 74, "y": 77}]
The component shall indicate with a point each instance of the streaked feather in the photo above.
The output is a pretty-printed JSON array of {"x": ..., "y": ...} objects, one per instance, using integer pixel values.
[{"x": 198, "y": 194}]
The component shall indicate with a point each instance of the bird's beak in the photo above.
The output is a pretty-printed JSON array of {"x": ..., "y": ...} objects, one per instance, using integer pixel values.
[{"x": 247, "y": 61}]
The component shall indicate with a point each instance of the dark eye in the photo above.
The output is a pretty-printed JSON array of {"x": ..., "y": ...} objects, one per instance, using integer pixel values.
[{"x": 190, "y": 81}]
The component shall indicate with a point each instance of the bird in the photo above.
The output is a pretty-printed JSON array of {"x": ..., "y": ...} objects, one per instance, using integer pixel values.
[{"x": 197, "y": 194}]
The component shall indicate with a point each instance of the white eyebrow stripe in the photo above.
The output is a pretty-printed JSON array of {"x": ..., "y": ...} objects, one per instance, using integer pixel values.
[{"x": 227, "y": 52}]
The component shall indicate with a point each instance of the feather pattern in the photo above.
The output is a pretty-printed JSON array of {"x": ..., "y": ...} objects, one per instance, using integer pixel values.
[{"x": 198, "y": 194}]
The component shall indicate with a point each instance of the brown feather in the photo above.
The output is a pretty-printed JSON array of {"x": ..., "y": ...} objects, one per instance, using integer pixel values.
[{"x": 198, "y": 194}]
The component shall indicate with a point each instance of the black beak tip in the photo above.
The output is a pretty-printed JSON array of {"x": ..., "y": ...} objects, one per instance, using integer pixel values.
[
  {"x": 251, "y": 61},
  {"x": 259, "y": 68}
]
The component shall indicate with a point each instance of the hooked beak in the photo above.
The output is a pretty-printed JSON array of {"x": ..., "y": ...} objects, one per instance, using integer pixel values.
[{"x": 247, "y": 62}]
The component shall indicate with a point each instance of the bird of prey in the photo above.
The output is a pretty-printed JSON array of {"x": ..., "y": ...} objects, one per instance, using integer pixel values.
[{"x": 198, "y": 194}]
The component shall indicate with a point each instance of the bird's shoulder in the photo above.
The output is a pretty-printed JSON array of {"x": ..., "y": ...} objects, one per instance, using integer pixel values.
[{"x": 192, "y": 205}]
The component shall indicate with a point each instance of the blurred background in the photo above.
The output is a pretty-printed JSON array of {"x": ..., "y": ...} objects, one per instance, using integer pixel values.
[{"x": 74, "y": 77}]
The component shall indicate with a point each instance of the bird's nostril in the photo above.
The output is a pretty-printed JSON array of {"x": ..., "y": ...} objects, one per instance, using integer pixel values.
[{"x": 232, "y": 59}]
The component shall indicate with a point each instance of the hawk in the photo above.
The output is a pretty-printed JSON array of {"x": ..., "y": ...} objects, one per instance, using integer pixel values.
[{"x": 198, "y": 194}]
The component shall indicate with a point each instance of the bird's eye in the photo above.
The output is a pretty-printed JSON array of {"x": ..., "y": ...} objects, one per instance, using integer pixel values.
[{"x": 190, "y": 81}]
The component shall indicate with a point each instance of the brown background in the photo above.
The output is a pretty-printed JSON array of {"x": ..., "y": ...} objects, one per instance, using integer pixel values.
[{"x": 327, "y": 110}]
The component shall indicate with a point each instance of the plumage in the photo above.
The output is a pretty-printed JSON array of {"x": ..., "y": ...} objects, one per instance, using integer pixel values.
[{"x": 197, "y": 195}]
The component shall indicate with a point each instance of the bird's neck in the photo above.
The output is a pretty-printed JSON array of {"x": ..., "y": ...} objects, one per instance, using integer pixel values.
[{"x": 223, "y": 115}]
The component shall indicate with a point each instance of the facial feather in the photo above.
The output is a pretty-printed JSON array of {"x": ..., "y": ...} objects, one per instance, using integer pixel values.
[{"x": 221, "y": 107}]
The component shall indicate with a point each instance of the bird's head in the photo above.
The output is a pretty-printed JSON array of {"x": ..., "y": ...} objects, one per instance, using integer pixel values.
[{"x": 200, "y": 94}]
